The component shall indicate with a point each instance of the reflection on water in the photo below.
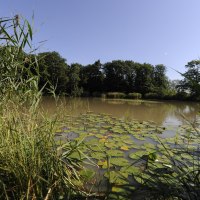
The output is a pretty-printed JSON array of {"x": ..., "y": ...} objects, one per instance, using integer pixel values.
[{"x": 162, "y": 113}]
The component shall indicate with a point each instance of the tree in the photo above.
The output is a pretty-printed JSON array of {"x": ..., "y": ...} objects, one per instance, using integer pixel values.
[
  {"x": 131, "y": 73},
  {"x": 144, "y": 78},
  {"x": 53, "y": 71},
  {"x": 74, "y": 80},
  {"x": 173, "y": 85},
  {"x": 92, "y": 77},
  {"x": 160, "y": 81},
  {"x": 116, "y": 79},
  {"x": 191, "y": 80}
]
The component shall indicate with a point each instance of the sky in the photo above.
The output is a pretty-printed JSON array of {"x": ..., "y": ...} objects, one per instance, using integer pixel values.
[{"x": 151, "y": 31}]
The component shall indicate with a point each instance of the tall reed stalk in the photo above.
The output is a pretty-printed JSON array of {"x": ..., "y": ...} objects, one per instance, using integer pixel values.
[{"x": 32, "y": 164}]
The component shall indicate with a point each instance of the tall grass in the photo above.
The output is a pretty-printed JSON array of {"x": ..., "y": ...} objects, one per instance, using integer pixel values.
[{"x": 32, "y": 164}]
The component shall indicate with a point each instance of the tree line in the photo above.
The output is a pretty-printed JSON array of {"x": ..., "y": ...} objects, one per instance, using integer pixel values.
[{"x": 116, "y": 76}]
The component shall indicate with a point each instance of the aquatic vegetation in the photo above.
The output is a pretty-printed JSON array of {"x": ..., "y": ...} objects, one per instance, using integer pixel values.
[
  {"x": 116, "y": 177},
  {"x": 126, "y": 149},
  {"x": 114, "y": 153},
  {"x": 107, "y": 137}
]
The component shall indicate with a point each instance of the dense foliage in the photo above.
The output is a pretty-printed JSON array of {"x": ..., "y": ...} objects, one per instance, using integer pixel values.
[
  {"x": 191, "y": 81},
  {"x": 116, "y": 76}
]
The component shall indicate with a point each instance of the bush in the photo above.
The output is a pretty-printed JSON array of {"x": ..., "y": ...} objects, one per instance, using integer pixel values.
[
  {"x": 169, "y": 97},
  {"x": 134, "y": 95},
  {"x": 182, "y": 96},
  {"x": 115, "y": 95},
  {"x": 151, "y": 95}
]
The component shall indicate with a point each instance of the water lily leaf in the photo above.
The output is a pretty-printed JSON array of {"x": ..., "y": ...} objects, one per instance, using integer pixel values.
[
  {"x": 119, "y": 161},
  {"x": 91, "y": 134},
  {"x": 116, "y": 177},
  {"x": 137, "y": 154},
  {"x": 128, "y": 141},
  {"x": 131, "y": 170},
  {"x": 118, "y": 189},
  {"x": 120, "y": 143},
  {"x": 142, "y": 177},
  {"x": 117, "y": 138},
  {"x": 111, "y": 145},
  {"x": 103, "y": 140},
  {"x": 77, "y": 155},
  {"x": 138, "y": 137},
  {"x": 114, "y": 153},
  {"x": 92, "y": 141},
  {"x": 103, "y": 131},
  {"x": 135, "y": 146},
  {"x": 100, "y": 162},
  {"x": 98, "y": 148},
  {"x": 98, "y": 136},
  {"x": 87, "y": 174},
  {"x": 103, "y": 164},
  {"x": 98, "y": 155},
  {"x": 124, "y": 148},
  {"x": 125, "y": 137},
  {"x": 148, "y": 146}
]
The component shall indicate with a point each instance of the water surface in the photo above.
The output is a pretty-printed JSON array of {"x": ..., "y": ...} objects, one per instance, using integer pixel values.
[{"x": 161, "y": 112}]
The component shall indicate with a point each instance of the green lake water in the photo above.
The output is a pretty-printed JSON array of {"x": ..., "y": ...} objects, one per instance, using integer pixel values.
[
  {"x": 161, "y": 112},
  {"x": 124, "y": 131}
]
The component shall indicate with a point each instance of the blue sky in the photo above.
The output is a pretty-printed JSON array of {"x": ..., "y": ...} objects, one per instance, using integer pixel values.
[{"x": 153, "y": 31}]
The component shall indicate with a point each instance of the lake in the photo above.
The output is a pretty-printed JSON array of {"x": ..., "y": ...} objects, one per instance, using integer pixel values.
[
  {"x": 161, "y": 112},
  {"x": 123, "y": 131}
]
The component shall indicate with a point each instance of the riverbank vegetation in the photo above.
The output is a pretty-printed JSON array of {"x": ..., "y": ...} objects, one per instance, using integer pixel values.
[
  {"x": 90, "y": 156},
  {"x": 32, "y": 164},
  {"x": 97, "y": 79}
]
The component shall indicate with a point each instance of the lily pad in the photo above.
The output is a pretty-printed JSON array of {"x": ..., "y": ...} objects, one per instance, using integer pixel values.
[
  {"x": 115, "y": 153},
  {"x": 131, "y": 170},
  {"x": 116, "y": 177},
  {"x": 119, "y": 162},
  {"x": 124, "y": 148},
  {"x": 137, "y": 154},
  {"x": 103, "y": 164},
  {"x": 98, "y": 155},
  {"x": 87, "y": 174}
]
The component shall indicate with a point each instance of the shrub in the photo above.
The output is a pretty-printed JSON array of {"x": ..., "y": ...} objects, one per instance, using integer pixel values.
[
  {"x": 169, "y": 97},
  {"x": 134, "y": 95},
  {"x": 182, "y": 96},
  {"x": 115, "y": 95},
  {"x": 151, "y": 95}
]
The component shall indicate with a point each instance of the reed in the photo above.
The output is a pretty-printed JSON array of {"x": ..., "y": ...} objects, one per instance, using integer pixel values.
[{"x": 32, "y": 164}]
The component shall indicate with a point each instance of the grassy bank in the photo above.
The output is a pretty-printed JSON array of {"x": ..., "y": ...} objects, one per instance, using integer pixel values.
[{"x": 32, "y": 164}]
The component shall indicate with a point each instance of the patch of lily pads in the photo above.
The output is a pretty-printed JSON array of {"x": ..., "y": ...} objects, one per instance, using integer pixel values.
[{"x": 116, "y": 144}]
